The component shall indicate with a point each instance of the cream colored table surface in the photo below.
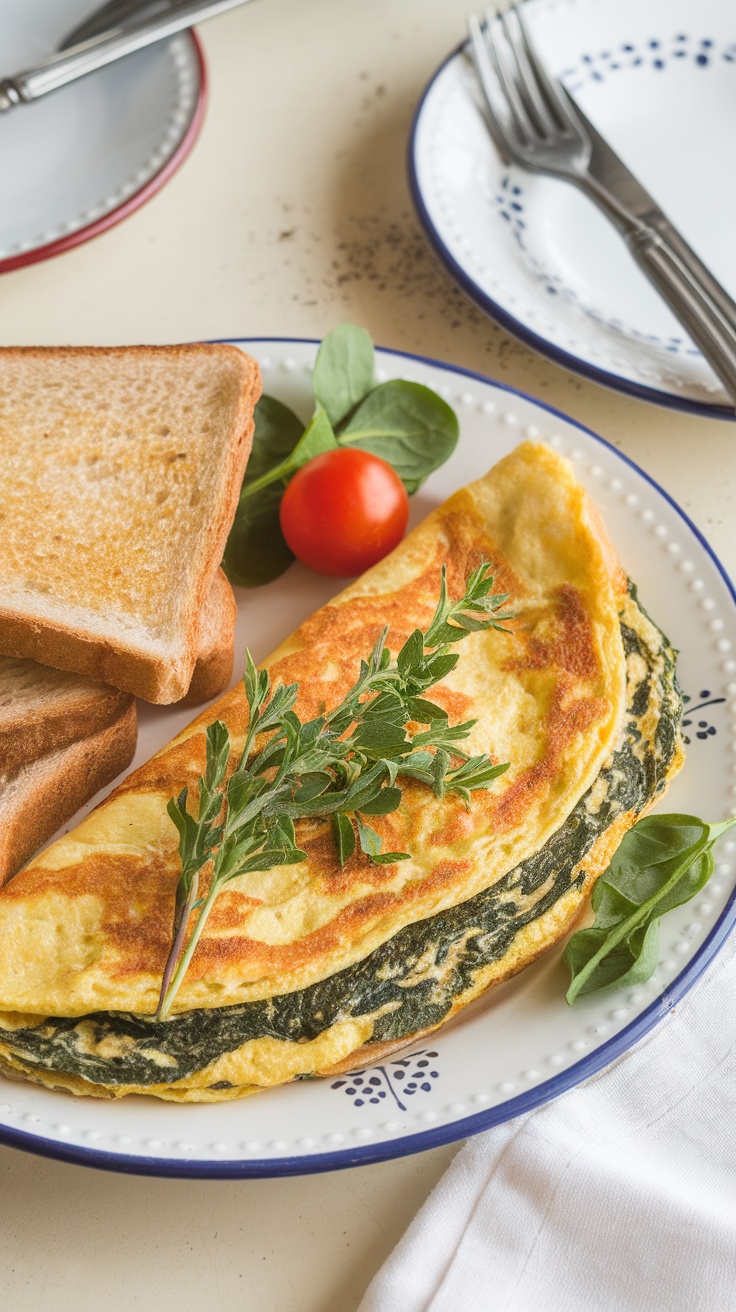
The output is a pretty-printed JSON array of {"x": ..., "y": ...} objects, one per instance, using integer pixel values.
[{"x": 292, "y": 214}]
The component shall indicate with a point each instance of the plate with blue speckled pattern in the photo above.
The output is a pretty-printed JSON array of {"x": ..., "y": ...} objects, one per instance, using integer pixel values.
[{"x": 659, "y": 81}]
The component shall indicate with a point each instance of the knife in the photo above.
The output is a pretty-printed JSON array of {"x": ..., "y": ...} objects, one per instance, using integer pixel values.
[
  {"x": 619, "y": 183},
  {"x": 111, "y": 14},
  {"x": 59, "y": 69}
]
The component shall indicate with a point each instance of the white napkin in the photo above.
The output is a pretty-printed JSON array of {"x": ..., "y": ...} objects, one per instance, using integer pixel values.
[{"x": 619, "y": 1196}]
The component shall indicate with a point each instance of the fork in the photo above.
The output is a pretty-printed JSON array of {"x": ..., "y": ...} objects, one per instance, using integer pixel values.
[{"x": 535, "y": 124}]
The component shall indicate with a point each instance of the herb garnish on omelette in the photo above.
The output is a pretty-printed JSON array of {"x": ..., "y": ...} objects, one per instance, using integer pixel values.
[
  {"x": 317, "y": 965},
  {"x": 343, "y": 763}
]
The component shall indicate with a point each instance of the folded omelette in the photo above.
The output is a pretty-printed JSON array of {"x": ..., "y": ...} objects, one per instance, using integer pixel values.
[{"x": 311, "y": 968}]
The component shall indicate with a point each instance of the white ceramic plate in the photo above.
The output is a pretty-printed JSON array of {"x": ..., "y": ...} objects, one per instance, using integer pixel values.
[
  {"x": 80, "y": 159},
  {"x": 521, "y": 1044},
  {"x": 659, "y": 81}
]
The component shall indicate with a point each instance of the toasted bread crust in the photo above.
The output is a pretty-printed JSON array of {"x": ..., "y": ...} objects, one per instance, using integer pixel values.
[
  {"x": 127, "y": 665},
  {"x": 85, "y": 653},
  {"x": 85, "y": 737},
  {"x": 216, "y": 652},
  {"x": 60, "y": 717},
  {"x": 49, "y": 790}
]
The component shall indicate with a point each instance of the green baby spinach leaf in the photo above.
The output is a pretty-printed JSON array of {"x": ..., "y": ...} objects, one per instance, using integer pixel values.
[
  {"x": 662, "y": 862},
  {"x": 277, "y": 431},
  {"x": 407, "y": 425},
  {"x": 343, "y": 371},
  {"x": 317, "y": 437},
  {"x": 622, "y": 965},
  {"x": 256, "y": 551}
]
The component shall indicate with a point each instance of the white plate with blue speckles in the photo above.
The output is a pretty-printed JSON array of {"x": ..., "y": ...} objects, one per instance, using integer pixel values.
[
  {"x": 79, "y": 160},
  {"x": 520, "y": 1045},
  {"x": 658, "y": 80}
]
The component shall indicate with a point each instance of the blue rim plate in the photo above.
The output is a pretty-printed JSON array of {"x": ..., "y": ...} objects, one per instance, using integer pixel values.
[
  {"x": 533, "y": 252},
  {"x": 521, "y": 1045}
]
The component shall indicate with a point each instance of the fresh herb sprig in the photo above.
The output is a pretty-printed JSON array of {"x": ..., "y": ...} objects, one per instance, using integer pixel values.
[
  {"x": 404, "y": 423},
  {"x": 662, "y": 862},
  {"x": 343, "y": 764}
]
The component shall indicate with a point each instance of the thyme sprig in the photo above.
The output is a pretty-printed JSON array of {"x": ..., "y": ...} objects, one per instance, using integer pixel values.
[{"x": 343, "y": 764}]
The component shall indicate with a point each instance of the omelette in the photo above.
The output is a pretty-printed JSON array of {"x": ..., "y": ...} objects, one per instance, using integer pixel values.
[{"x": 307, "y": 969}]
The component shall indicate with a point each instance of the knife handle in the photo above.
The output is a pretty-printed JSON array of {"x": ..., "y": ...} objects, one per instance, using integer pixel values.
[
  {"x": 693, "y": 265},
  {"x": 703, "y": 320},
  {"x": 68, "y": 65}
]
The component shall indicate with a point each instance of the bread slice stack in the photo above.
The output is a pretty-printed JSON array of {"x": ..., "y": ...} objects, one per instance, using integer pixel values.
[
  {"x": 62, "y": 738},
  {"x": 216, "y": 644},
  {"x": 122, "y": 470}
]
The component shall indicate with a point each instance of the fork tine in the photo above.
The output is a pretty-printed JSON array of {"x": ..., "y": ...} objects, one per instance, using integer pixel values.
[
  {"x": 554, "y": 95},
  {"x": 523, "y": 123},
  {"x": 499, "y": 129},
  {"x": 526, "y": 78}
]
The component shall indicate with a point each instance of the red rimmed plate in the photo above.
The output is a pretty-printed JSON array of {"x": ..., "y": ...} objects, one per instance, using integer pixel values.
[{"x": 83, "y": 158}]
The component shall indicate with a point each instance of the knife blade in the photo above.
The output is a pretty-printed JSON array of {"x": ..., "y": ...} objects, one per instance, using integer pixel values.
[{"x": 112, "y": 14}]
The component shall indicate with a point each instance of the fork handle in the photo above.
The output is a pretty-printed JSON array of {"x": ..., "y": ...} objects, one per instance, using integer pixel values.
[
  {"x": 708, "y": 326},
  {"x": 692, "y": 264}
]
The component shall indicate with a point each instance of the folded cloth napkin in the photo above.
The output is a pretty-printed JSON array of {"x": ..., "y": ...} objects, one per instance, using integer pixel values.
[{"x": 619, "y": 1196}]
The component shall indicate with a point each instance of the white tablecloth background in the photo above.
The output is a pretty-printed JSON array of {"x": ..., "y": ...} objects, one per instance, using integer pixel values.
[{"x": 619, "y": 1196}]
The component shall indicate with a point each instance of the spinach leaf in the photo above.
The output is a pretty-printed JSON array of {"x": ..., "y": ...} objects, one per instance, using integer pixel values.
[
  {"x": 662, "y": 862},
  {"x": 408, "y": 426},
  {"x": 277, "y": 431},
  {"x": 622, "y": 965},
  {"x": 343, "y": 371},
  {"x": 316, "y": 438},
  {"x": 256, "y": 551}
]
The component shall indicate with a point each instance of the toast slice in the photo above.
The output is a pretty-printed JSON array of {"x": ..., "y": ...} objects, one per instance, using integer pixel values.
[
  {"x": 39, "y": 796},
  {"x": 43, "y": 710},
  {"x": 216, "y": 651},
  {"x": 122, "y": 469},
  {"x": 62, "y": 737}
]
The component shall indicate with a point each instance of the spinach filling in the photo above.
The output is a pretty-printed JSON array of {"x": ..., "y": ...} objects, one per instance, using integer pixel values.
[{"x": 410, "y": 982}]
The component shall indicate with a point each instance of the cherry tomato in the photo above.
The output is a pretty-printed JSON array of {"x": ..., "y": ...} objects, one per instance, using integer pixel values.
[{"x": 343, "y": 511}]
